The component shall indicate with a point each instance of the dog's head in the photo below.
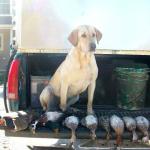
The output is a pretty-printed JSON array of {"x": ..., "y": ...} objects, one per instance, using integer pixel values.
[{"x": 85, "y": 37}]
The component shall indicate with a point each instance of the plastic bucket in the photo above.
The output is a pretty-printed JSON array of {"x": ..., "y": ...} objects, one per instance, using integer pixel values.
[{"x": 131, "y": 87}]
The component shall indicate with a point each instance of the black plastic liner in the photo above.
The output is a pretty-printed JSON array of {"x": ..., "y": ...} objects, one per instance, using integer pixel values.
[{"x": 106, "y": 87}]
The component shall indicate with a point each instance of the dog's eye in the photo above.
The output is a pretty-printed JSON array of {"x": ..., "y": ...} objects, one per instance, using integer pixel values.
[
  {"x": 93, "y": 35},
  {"x": 83, "y": 35}
]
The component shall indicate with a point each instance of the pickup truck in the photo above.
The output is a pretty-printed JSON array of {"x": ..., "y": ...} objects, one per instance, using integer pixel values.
[{"x": 41, "y": 33}]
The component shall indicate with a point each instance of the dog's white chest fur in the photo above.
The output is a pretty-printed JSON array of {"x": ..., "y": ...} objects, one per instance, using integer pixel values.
[
  {"x": 82, "y": 78},
  {"x": 77, "y": 71}
]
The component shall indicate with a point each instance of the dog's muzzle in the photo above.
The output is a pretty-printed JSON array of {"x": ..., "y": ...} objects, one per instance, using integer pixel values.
[{"x": 92, "y": 46}]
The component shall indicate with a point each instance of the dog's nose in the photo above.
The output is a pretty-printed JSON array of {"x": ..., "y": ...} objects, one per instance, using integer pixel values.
[{"x": 92, "y": 46}]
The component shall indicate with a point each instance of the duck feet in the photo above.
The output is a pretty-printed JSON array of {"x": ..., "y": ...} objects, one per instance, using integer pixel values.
[
  {"x": 118, "y": 140},
  {"x": 73, "y": 138},
  {"x": 93, "y": 135},
  {"x": 135, "y": 137},
  {"x": 145, "y": 139},
  {"x": 108, "y": 136}
]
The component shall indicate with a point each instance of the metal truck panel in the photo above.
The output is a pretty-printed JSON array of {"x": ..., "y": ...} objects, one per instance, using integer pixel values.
[{"x": 44, "y": 25}]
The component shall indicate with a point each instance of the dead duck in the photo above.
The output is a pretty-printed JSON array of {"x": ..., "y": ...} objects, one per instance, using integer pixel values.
[
  {"x": 104, "y": 122},
  {"x": 143, "y": 125},
  {"x": 48, "y": 119},
  {"x": 16, "y": 121},
  {"x": 91, "y": 122},
  {"x": 117, "y": 125},
  {"x": 130, "y": 124},
  {"x": 7, "y": 123},
  {"x": 72, "y": 123}
]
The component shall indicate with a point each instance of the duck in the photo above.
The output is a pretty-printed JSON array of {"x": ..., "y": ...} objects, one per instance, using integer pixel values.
[
  {"x": 117, "y": 125},
  {"x": 143, "y": 125},
  {"x": 90, "y": 122},
  {"x": 16, "y": 121},
  {"x": 72, "y": 123},
  {"x": 7, "y": 123},
  {"x": 130, "y": 124},
  {"x": 104, "y": 122},
  {"x": 48, "y": 119},
  {"x": 52, "y": 116}
]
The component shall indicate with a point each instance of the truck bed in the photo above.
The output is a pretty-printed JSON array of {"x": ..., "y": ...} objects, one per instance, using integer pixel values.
[{"x": 105, "y": 98}]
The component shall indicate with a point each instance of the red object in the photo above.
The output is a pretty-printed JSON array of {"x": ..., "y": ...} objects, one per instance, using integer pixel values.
[
  {"x": 13, "y": 76},
  {"x": 2, "y": 122}
]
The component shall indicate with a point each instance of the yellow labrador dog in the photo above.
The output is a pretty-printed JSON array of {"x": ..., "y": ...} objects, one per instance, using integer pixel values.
[{"x": 76, "y": 73}]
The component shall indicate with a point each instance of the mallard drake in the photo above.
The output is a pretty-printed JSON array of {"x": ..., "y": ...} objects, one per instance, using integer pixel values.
[
  {"x": 130, "y": 124},
  {"x": 72, "y": 123},
  {"x": 143, "y": 125},
  {"x": 52, "y": 117},
  {"x": 91, "y": 122},
  {"x": 104, "y": 122},
  {"x": 117, "y": 125}
]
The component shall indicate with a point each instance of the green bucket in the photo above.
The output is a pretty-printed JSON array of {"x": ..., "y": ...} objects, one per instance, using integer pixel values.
[{"x": 131, "y": 87}]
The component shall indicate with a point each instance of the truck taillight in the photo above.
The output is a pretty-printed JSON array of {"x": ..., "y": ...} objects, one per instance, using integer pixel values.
[{"x": 13, "y": 76}]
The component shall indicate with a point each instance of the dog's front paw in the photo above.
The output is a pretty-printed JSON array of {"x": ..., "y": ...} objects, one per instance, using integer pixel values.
[
  {"x": 90, "y": 111},
  {"x": 63, "y": 107}
]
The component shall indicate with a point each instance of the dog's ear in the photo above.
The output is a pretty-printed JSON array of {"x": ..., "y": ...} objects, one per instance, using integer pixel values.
[
  {"x": 98, "y": 35},
  {"x": 73, "y": 37}
]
